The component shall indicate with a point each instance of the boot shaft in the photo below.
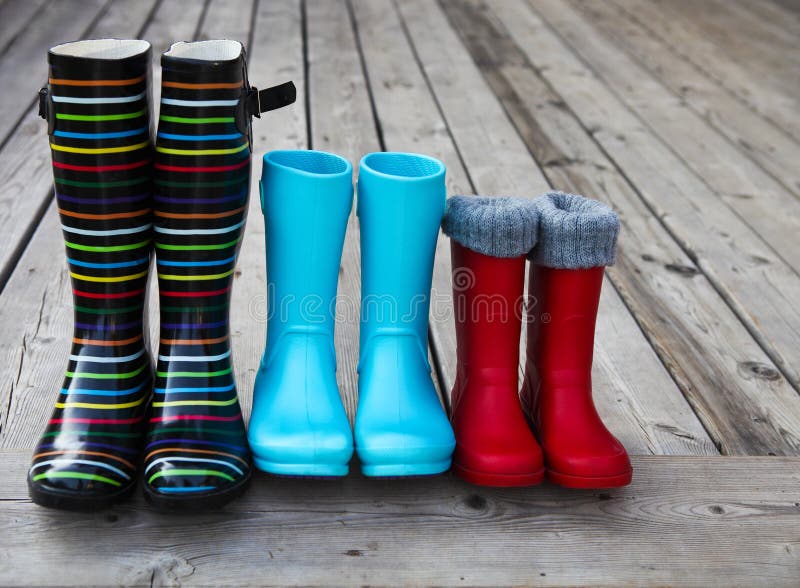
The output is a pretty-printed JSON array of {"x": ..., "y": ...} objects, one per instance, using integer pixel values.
[
  {"x": 306, "y": 198},
  {"x": 202, "y": 182},
  {"x": 488, "y": 306},
  {"x": 401, "y": 199},
  {"x": 489, "y": 238},
  {"x": 561, "y": 320},
  {"x": 97, "y": 108}
]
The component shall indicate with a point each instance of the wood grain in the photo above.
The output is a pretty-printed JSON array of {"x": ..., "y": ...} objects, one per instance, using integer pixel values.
[
  {"x": 690, "y": 40},
  {"x": 772, "y": 15},
  {"x": 645, "y": 274},
  {"x": 16, "y": 17},
  {"x": 730, "y": 174},
  {"x": 275, "y": 56},
  {"x": 772, "y": 53},
  {"x": 629, "y": 380},
  {"x": 36, "y": 304},
  {"x": 674, "y": 303},
  {"x": 510, "y": 107},
  {"x": 341, "y": 122},
  {"x": 683, "y": 522},
  {"x": 23, "y": 66},
  {"x": 751, "y": 278},
  {"x": 25, "y": 178},
  {"x": 755, "y": 136}
]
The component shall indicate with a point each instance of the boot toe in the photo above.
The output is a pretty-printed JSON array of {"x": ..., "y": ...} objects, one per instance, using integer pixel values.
[
  {"x": 77, "y": 486},
  {"x": 176, "y": 480}
]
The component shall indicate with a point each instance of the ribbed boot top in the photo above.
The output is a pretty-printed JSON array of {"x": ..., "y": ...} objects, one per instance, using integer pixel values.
[
  {"x": 575, "y": 232},
  {"x": 494, "y": 226}
]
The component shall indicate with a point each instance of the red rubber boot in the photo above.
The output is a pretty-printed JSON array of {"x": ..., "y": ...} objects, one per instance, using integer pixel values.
[
  {"x": 577, "y": 237},
  {"x": 494, "y": 445}
]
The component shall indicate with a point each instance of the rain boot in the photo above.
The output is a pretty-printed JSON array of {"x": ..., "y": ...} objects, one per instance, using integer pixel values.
[
  {"x": 299, "y": 426},
  {"x": 489, "y": 239},
  {"x": 401, "y": 428},
  {"x": 97, "y": 108},
  {"x": 577, "y": 238},
  {"x": 196, "y": 454}
]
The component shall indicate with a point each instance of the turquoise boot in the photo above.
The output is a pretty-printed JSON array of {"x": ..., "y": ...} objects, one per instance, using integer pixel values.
[
  {"x": 401, "y": 428},
  {"x": 299, "y": 426}
]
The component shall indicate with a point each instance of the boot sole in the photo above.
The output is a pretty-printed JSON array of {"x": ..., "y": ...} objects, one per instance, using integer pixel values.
[
  {"x": 405, "y": 470},
  {"x": 498, "y": 480},
  {"x": 195, "y": 502},
  {"x": 302, "y": 470},
  {"x": 590, "y": 482},
  {"x": 65, "y": 500}
]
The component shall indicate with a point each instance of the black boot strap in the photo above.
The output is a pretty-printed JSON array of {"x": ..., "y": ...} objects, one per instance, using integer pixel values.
[
  {"x": 46, "y": 109},
  {"x": 258, "y": 101}
]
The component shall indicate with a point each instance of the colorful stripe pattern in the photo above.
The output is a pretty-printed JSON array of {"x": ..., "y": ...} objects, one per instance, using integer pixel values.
[
  {"x": 101, "y": 156},
  {"x": 196, "y": 444}
]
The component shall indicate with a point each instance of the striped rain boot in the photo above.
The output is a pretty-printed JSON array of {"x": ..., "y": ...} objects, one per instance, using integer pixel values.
[
  {"x": 196, "y": 454},
  {"x": 97, "y": 108}
]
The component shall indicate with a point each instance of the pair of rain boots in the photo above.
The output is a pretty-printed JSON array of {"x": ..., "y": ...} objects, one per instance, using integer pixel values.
[
  {"x": 299, "y": 426},
  {"x": 505, "y": 438},
  {"x": 120, "y": 198}
]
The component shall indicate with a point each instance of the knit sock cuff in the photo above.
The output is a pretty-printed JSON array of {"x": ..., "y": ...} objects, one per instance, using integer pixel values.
[
  {"x": 494, "y": 226},
  {"x": 575, "y": 232}
]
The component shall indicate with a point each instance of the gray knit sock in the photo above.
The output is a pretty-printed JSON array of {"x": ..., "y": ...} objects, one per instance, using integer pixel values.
[
  {"x": 494, "y": 226},
  {"x": 574, "y": 232}
]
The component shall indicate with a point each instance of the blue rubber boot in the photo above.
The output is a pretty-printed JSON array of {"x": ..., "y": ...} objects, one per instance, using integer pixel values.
[
  {"x": 298, "y": 426},
  {"x": 401, "y": 428}
]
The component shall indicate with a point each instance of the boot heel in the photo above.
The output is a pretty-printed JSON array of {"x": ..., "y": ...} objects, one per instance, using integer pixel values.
[
  {"x": 405, "y": 470},
  {"x": 590, "y": 483}
]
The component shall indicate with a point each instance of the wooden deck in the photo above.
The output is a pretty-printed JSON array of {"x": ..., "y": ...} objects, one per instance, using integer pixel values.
[{"x": 682, "y": 114}]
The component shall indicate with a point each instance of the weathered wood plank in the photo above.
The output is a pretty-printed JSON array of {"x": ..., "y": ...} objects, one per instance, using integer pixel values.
[
  {"x": 175, "y": 20},
  {"x": 25, "y": 181},
  {"x": 16, "y": 17},
  {"x": 772, "y": 27},
  {"x": 227, "y": 19},
  {"x": 36, "y": 304},
  {"x": 275, "y": 56},
  {"x": 634, "y": 392},
  {"x": 688, "y": 40},
  {"x": 769, "y": 146},
  {"x": 341, "y": 122},
  {"x": 679, "y": 310},
  {"x": 765, "y": 205},
  {"x": 772, "y": 15},
  {"x": 683, "y": 522},
  {"x": 758, "y": 284},
  {"x": 23, "y": 67},
  {"x": 410, "y": 121},
  {"x": 772, "y": 57}
]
